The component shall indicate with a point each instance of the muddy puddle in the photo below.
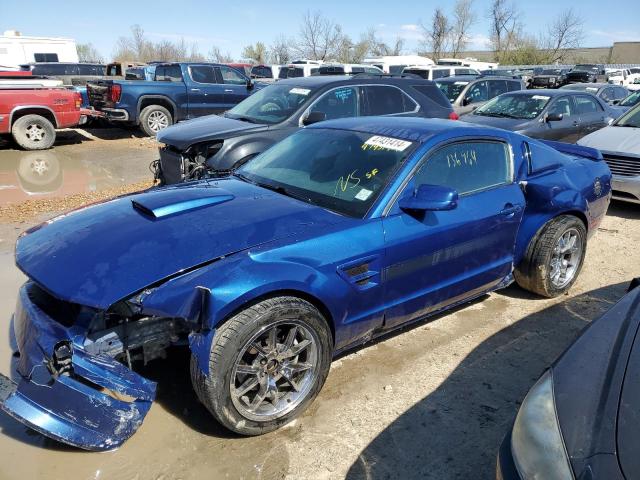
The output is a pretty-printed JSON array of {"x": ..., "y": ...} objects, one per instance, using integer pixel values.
[{"x": 70, "y": 168}]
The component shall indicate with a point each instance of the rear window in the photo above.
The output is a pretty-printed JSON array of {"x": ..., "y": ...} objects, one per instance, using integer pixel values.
[
  {"x": 433, "y": 93},
  {"x": 513, "y": 85},
  {"x": 384, "y": 100}
]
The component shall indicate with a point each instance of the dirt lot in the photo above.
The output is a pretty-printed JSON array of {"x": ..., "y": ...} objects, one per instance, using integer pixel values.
[{"x": 431, "y": 402}]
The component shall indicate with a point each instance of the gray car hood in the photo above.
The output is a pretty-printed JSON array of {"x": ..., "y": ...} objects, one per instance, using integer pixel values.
[
  {"x": 202, "y": 129},
  {"x": 614, "y": 139},
  {"x": 498, "y": 122}
]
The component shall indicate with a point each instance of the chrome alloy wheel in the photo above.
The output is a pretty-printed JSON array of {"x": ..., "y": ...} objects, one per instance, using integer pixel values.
[
  {"x": 275, "y": 370},
  {"x": 157, "y": 121},
  {"x": 566, "y": 258}
]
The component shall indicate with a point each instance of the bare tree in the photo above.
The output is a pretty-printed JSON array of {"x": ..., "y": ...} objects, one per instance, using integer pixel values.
[
  {"x": 216, "y": 55},
  {"x": 463, "y": 20},
  {"x": 256, "y": 53},
  {"x": 280, "y": 50},
  {"x": 319, "y": 37},
  {"x": 505, "y": 27},
  {"x": 87, "y": 53},
  {"x": 563, "y": 34},
  {"x": 437, "y": 35}
]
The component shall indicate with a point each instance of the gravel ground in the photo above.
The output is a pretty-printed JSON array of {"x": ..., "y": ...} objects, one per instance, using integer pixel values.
[{"x": 433, "y": 401}]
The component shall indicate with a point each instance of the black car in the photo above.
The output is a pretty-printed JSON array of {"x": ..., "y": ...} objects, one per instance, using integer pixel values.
[
  {"x": 607, "y": 92},
  {"x": 217, "y": 144},
  {"x": 582, "y": 418},
  {"x": 549, "y": 114},
  {"x": 550, "y": 78},
  {"x": 587, "y": 73}
]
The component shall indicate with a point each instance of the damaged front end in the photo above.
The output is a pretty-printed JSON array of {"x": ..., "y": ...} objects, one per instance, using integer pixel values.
[
  {"x": 176, "y": 166},
  {"x": 71, "y": 380}
]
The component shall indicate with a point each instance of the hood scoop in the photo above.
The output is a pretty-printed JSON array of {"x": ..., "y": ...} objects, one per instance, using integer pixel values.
[{"x": 167, "y": 202}]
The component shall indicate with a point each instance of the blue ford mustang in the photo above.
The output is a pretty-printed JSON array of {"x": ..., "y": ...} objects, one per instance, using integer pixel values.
[{"x": 339, "y": 233}]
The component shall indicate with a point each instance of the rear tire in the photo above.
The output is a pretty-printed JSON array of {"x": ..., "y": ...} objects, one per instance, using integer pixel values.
[
  {"x": 281, "y": 346},
  {"x": 154, "y": 118},
  {"x": 33, "y": 132},
  {"x": 554, "y": 257}
]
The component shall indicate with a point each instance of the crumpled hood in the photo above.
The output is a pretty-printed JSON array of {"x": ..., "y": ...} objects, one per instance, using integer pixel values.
[
  {"x": 210, "y": 127},
  {"x": 99, "y": 255},
  {"x": 498, "y": 122},
  {"x": 614, "y": 139}
]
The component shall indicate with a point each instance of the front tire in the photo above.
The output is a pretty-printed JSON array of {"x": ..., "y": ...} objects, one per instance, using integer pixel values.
[
  {"x": 33, "y": 132},
  {"x": 267, "y": 364},
  {"x": 554, "y": 257},
  {"x": 154, "y": 118}
]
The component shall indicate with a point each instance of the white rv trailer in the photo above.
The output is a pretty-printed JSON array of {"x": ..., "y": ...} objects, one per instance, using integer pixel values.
[
  {"x": 467, "y": 62},
  {"x": 396, "y": 63},
  {"x": 16, "y": 49}
]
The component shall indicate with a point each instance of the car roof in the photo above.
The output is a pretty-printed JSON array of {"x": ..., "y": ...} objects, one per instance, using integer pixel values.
[
  {"x": 322, "y": 80},
  {"x": 414, "y": 129}
]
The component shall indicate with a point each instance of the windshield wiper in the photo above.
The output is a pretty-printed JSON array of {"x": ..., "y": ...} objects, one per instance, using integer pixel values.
[
  {"x": 275, "y": 188},
  {"x": 242, "y": 118}
]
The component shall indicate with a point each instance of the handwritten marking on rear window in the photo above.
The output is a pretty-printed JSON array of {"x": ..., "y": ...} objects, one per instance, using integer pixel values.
[
  {"x": 461, "y": 158},
  {"x": 343, "y": 93},
  {"x": 349, "y": 182},
  {"x": 378, "y": 142}
]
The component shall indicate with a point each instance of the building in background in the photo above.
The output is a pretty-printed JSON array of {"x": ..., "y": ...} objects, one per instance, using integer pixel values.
[{"x": 16, "y": 49}]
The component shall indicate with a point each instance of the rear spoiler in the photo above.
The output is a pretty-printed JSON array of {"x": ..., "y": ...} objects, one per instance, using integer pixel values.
[{"x": 575, "y": 150}]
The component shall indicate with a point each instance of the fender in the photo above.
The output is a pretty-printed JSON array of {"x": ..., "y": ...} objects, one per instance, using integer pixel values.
[
  {"x": 176, "y": 111},
  {"x": 236, "y": 149}
]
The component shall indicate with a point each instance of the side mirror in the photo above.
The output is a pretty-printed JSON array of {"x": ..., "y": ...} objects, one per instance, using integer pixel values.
[
  {"x": 553, "y": 117},
  {"x": 313, "y": 117},
  {"x": 466, "y": 101},
  {"x": 430, "y": 198},
  {"x": 249, "y": 84},
  {"x": 615, "y": 102}
]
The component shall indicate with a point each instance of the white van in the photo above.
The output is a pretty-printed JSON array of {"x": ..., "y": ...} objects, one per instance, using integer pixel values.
[
  {"x": 396, "y": 63},
  {"x": 434, "y": 72}
]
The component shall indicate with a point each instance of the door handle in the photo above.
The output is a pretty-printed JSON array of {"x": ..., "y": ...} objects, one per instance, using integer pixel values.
[
  {"x": 510, "y": 210},
  {"x": 228, "y": 90},
  {"x": 195, "y": 89}
]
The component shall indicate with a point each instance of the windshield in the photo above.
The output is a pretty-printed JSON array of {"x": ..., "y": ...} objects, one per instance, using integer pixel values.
[
  {"x": 551, "y": 72},
  {"x": 272, "y": 104},
  {"x": 340, "y": 170},
  {"x": 631, "y": 100},
  {"x": 629, "y": 119},
  {"x": 520, "y": 106},
  {"x": 452, "y": 90}
]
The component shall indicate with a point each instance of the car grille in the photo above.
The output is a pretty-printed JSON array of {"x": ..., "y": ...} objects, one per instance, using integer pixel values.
[{"x": 622, "y": 165}]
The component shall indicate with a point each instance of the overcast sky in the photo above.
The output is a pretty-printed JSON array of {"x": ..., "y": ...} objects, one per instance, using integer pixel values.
[{"x": 232, "y": 25}]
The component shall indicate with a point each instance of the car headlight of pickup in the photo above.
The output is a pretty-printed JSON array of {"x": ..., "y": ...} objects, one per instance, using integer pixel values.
[{"x": 536, "y": 441}]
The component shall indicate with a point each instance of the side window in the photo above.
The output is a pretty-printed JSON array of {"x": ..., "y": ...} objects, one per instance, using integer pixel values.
[
  {"x": 372, "y": 70},
  {"x": 338, "y": 103},
  {"x": 620, "y": 93},
  {"x": 607, "y": 94},
  {"x": 85, "y": 69},
  {"x": 201, "y": 74},
  {"x": 562, "y": 106},
  {"x": 439, "y": 74},
  {"x": 513, "y": 86},
  {"x": 384, "y": 100},
  {"x": 232, "y": 76},
  {"x": 465, "y": 71},
  {"x": 45, "y": 57},
  {"x": 467, "y": 166},
  {"x": 477, "y": 92},
  {"x": 586, "y": 104},
  {"x": 497, "y": 87},
  {"x": 168, "y": 73}
]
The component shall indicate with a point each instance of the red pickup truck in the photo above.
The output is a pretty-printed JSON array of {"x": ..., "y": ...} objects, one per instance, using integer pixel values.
[{"x": 32, "y": 115}]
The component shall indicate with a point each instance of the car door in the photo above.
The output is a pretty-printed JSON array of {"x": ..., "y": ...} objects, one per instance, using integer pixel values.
[
  {"x": 476, "y": 94},
  {"x": 591, "y": 113},
  {"x": 568, "y": 129},
  {"x": 206, "y": 92},
  {"x": 235, "y": 85},
  {"x": 439, "y": 258}
]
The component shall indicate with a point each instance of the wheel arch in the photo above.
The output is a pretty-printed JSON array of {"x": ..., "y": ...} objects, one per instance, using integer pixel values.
[
  {"x": 147, "y": 100},
  {"x": 23, "y": 110}
]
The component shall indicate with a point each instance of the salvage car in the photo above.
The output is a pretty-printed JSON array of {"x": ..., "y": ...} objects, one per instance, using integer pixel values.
[
  {"x": 580, "y": 420},
  {"x": 550, "y": 114},
  {"x": 620, "y": 147},
  {"x": 612, "y": 94},
  {"x": 587, "y": 73},
  {"x": 215, "y": 144},
  {"x": 550, "y": 78},
  {"x": 344, "y": 231},
  {"x": 466, "y": 93}
]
